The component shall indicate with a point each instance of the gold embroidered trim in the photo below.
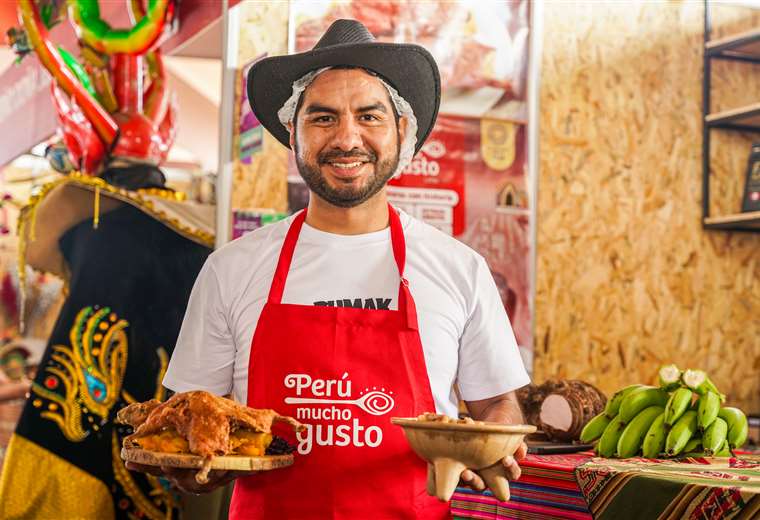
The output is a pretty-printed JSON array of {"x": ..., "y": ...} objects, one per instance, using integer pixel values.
[
  {"x": 135, "y": 198},
  {"x": 123, "y": 476},
  {"x": 90, "y": 370}
]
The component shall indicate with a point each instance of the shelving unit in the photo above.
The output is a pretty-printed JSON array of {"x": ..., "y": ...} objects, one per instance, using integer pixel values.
[
  {"x": 740, "y": 47},
  {"x": 742, "y": 222}
]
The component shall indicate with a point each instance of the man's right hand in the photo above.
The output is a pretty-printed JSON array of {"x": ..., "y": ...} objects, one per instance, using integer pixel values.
[{"x": 184, "y": 479}]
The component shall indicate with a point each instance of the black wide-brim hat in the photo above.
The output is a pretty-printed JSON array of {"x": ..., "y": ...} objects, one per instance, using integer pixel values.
[{"x": 408, "y": 68}]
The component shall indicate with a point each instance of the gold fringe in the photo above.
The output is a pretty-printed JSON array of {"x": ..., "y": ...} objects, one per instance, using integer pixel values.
[
  {"x": 96, "y": 216},
  {"x": 27, "y": 222},
  {"x": 21, "y": 268}
]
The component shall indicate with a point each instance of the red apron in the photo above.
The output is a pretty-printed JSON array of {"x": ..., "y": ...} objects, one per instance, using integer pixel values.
[{"x": 344, "y": 372}]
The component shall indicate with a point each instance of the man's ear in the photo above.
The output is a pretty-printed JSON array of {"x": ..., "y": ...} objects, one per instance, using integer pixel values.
[
  {"x": 292, "y": 139},
  {"x": 402, "y": 126}
]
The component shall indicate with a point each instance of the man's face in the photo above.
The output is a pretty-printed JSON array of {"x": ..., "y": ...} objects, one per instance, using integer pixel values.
[{"x": 346, "y": 140}]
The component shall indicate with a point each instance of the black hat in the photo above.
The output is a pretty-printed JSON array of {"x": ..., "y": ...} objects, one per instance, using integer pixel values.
[{"x": 408, "y": 68}]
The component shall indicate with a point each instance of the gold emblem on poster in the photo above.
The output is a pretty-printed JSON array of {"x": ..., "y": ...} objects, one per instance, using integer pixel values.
[{"x": 497, "y": 143}]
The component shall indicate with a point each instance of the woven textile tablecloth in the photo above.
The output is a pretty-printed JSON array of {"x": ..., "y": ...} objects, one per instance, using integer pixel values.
[
  {"x": 547, "y": 489},
  {"x": 581, "y": 486}
]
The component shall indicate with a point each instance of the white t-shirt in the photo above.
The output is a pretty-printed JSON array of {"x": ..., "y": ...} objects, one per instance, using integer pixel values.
[{"x": 464, "y": 329}]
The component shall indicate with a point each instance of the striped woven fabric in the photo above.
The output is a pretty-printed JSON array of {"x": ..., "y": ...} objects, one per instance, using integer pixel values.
[
  {"x": 694, "y": 488},
  {"x": 630, "y": 489},
  {"x": 547, "y": 489}
]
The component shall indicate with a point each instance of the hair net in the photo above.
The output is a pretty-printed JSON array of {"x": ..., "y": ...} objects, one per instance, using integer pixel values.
[{"x": 403, "y": 108}]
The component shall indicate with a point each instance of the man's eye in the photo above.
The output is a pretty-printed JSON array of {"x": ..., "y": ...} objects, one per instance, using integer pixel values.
[
  {"x": 369, "y": 117},
  {"x": 322, "y": 119}
]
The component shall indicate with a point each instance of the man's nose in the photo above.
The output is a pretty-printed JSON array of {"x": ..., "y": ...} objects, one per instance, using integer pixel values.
[{"x": 347, "y": 135}]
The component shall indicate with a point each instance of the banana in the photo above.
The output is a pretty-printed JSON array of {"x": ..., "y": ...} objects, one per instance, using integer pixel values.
[
  {"x": 714, "y": 436},
  {"x": 594, "y": 428},
  {"x": 670, "y": 377},
  {"x": 694, "y": 445},
  {"x": 738, "y": 428},
  {"x": 677, "y": 404},
  {"x": 607, "y": 445},
  {"x": 680, "y": 433},
  {"x": 724, "y": 450},
  {"x": 639, "y": 399},
  {"x": 613, "y": 405},
  {"x": 709, "y": 406},
  {"x": 630, "y": 440},
  {"x": 698, "y": 381},
  {"x": 654, "y": 441}
]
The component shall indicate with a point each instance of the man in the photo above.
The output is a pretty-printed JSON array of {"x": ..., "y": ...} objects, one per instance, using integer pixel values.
[{"x": 350, "y": 312}]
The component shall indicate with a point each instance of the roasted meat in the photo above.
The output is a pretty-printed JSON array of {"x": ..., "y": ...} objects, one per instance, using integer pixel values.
[
  {"x": 137, "y": 413},
  {"x": 202, "y": 424},
  {"x": 560, "y": 408}
]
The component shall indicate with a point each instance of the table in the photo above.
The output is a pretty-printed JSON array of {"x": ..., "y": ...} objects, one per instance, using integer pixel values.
[{"x": 582, "y": 486}]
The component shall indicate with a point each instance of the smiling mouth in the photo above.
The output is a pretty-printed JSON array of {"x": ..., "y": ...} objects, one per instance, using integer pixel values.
[
  {"x": 346, "y": 166},
  {"x": 345, "y": 171}
]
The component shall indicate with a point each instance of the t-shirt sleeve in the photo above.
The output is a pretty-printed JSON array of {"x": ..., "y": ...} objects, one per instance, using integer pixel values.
[
  {"x": 489, "y": 360},
  {"x": 204, "y": 356}
]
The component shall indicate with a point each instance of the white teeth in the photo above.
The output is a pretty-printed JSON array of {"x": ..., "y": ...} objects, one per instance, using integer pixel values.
[{"x": 346, "y": 166}]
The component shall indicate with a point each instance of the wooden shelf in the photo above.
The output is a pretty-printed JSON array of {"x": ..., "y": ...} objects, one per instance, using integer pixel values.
[
  {"x": 739, "y": 222},
  {"x": 745, "y": 119},
  {"x": 744, "y": 46}
]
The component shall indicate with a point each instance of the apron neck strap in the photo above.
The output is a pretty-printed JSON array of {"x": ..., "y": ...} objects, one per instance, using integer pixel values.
[
  {"x": 286, "y": 255},
  {"x": 405, "y": 301}
]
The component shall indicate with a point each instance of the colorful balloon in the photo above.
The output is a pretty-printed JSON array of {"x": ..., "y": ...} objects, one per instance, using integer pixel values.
[
  {"x": 105, "y": 108},
  {"x": 96, "y": 33}
]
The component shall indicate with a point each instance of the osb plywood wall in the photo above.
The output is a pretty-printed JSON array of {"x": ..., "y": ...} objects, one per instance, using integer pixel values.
[{"x": 626, "y": 277}]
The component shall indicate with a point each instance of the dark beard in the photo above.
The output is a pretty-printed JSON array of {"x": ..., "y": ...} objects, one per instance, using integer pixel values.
[{"x": 347, "y": 197}]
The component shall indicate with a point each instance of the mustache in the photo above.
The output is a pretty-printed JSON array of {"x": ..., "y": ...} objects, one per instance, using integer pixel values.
[{"x": 355, "y": 153}]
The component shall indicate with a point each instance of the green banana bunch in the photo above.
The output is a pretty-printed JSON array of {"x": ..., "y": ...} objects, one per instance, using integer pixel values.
[
  {"x": 709, "y": 406},
  {"x": 639, "y": 399},
  {"x": 607, "y": 445},
  {"x": 715, "y": 436},
  {"x": 670, "y": 377},
  {"x": 677, "y": 404},
  {"x": 633, "y": 434},
  {"x": 594, "y": 428},
  {"x": 680, "y": 433},
  {"x": 738, "y": 429},
  {"x": 612, "y": 407},
  {"x": 654, "y": 440},
  {"x": 668, "y": 420}
]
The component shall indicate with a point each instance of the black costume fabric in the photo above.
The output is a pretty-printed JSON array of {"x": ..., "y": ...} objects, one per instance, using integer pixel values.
[{"x": 130, "y": 281}]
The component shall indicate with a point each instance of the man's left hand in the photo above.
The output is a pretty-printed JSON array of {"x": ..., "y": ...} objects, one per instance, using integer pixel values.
[{"x": 511, "y": 469}]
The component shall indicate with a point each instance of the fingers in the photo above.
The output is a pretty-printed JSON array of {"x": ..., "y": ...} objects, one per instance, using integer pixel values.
[
  {"x": 521, "y": 452},
  {"x": 179, "y": 473},
  {"x": 512, "y": 467},
  {"x": 473, "y": 480},
  {"x": 142, "y": 468},
  {"x": 184, "y": 479}
]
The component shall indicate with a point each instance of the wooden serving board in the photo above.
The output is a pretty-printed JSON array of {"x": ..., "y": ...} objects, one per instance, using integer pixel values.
[{"x": 227, "y": 462}]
